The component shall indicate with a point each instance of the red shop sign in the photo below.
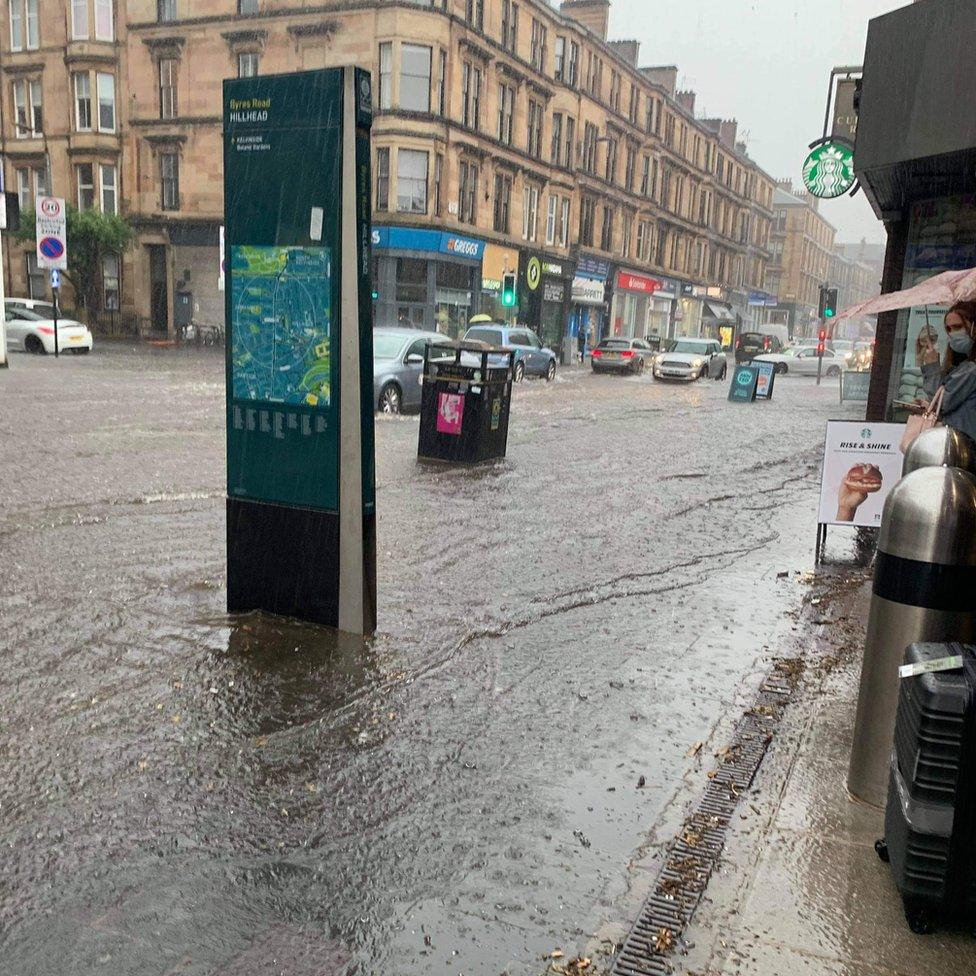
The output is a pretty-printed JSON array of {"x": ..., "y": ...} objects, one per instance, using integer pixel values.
[{"x": 632, "y": 282}]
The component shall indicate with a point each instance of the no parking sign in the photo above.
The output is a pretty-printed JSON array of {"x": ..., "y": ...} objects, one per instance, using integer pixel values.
[{"x": 51, "y": 231}]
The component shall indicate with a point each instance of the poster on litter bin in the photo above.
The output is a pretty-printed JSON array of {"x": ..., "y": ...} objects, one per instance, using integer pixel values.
[{"x": 862, "y": 463}]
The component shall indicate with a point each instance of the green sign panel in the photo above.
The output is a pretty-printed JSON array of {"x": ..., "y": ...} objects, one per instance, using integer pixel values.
[
  {"x": 744, "y": 380},
  {"x": 828, "y": 171}
]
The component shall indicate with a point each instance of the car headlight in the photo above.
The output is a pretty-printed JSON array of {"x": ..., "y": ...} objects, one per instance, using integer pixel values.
[
  {"x": 696, "y": 363},
  {"x": 658, "y": 360}
]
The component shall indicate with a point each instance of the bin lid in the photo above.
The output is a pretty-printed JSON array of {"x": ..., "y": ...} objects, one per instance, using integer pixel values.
[{"x": 941, "y": 446}]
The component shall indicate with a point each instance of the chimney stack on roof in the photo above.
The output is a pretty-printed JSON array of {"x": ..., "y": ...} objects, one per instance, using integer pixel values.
[
  {"x": 686, "y": 99},
  {"x": 628, "y": 50},
  {"x": 725, "y": 129},
  {"x": 594, "y": 15},
  {"x": 665, "y": 75}
]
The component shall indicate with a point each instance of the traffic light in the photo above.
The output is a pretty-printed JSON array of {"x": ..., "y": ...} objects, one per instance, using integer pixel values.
[
  {"x": 828, "y": 302},
  {"x": 509, "y": 281},
  {"x": 821, "y": 342}
]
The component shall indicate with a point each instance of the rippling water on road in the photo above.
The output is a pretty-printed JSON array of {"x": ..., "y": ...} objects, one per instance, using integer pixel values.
[{"x": 185, "y": 792}]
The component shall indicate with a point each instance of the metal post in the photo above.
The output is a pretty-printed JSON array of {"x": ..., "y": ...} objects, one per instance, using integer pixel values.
[
  {"x": 820, "y": 351},
  {"x": 54, "y": 293},
  {"x": 3, "y": 312}
]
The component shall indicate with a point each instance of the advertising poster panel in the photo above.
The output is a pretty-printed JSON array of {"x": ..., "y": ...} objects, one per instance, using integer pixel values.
[{"x": 862, "y": 463}]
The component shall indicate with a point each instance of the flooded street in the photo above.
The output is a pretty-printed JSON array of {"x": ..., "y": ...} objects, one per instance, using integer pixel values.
[{"x": 190, "y": 793}]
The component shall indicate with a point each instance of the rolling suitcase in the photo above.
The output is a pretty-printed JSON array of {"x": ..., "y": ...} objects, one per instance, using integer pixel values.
[{"x": 930, "y": 819}]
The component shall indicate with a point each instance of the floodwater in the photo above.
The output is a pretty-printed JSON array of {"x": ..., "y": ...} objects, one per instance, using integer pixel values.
[{"x": 185, "y": 792}]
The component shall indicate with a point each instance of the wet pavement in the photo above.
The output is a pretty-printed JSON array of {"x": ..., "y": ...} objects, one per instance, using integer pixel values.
[{"x": 186, "y": 792}]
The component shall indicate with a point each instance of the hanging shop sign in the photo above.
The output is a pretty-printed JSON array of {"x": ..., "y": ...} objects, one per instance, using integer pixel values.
[{"x": 828, "y": 170}]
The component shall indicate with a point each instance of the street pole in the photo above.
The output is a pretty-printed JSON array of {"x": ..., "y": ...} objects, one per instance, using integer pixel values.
[
  {"x": 820, "y": 351},
  {"x": 55, "y": 292},
  {"x": 4, "y": 363}
]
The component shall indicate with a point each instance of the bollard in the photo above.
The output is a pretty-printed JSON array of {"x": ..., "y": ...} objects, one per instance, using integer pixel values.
[
  {"x": 941, "y": 447},
  {"x": 924, "y": 590}
]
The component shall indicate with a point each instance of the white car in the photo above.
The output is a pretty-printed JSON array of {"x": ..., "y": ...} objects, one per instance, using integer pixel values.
[
  {"x": 691, "y": 359},
  {"x": 802, "y": 360},
  {"x": 32, "y": 329}
]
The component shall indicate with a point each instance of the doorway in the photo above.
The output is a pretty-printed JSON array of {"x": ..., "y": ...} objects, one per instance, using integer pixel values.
[{"x": 158, "y": 289}]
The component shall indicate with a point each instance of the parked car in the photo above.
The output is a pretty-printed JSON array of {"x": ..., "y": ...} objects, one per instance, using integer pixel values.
[
  {"x": 398, "y": 365},
  {"x": 32, "y": 330},
  {"x": 752, "y": 344},
  {"x": 621, "y": 356},
  {"x": 803, "y": 360},
  {"x": 691, "y": 359},
  {"x": 531, "y": 357}
]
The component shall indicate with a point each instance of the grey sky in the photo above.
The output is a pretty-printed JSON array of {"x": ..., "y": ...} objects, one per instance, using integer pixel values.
[{"x": 765, "y": 63}]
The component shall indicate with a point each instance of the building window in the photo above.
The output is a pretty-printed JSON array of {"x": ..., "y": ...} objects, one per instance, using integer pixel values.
[
  {"x": 627, "y": 235},
  {"x": 468, "y": 194},
  {"x": 382, "y": 179},
  {"x": 247, "y": 6},
  {"x": 530, "y": 213},
  {"x": 535, "y": 129},
  {"x": 476, "y": 13},
  {"x": 165, "y": 10},
  {"x": 79, "y": 20},
  {"x": 110, "y": 198},
  {"x": 24, "y": 31},
  {"x": 31, "y": 183},
  {"x": 247, "y": 64},
  {"x": 643, "y": 240},
  {"x": 412, "y": 181},
  {"x": 471, "y": 96},
  {"x": 28, "y": 109},
  {"x": 111, "y": 282},
  {"x": 557, "y": 221},
  {"x": 634, "y": 104},
  {"x": 386, "y": 75},
  {"x": 104, "y": 20},
  {"x": 645, "y": 186},
  {"x": 551, "y": 220},
  {"x": 83, "y": 107},
  {"x": 540, "y": 39},
  {"x": 589, "y": 148},
  {"x": 606, "y": 234},
  {"x": 169, "y": 171},
  {"x": 562, "y": 233},
  {"x": 615, "y": 91},
  {"x": 570, "y": 142},
  {"x": 510, "y": 15},
  {"x": 438, "y": 176},
  {"x": 503, "y": 202},
  {"x": 556, "y": 152},
  {"x": 572, "y": 69},
  {"x": 560, "y": 73},
  {"x": 106, "y": 102},
  {"x": 611, "y": 172},
  {"x": 415, "y": 62},
  {"x": 85, "y": 175},
  {"x": 37, "y": 277},
  {"x": 168, "y": 104},
  {"x": 442, "y": 84},
  {"x": 631, "y": 168},
  {"x": 506, "y": 112},
  {"x": 587, "y": 221}
]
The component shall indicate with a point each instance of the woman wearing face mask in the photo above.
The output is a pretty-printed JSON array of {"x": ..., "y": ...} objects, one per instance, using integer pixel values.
[{"x": 957, "y": 372}]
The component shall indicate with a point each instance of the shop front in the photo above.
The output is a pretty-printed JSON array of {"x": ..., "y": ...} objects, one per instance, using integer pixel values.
[
  {"x": 589, "y": 301},
  {"x": 718, "y": 321},
  {"x": 426, "y": 279},
  {"x": 633, "y": 297},
  {"x": 545, "y": 288}
]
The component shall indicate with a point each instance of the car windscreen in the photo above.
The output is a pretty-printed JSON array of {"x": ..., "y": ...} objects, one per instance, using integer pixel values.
[
  {"x": 26, "y": 314},
  {"x": 492, "y": 336},
  {"x": 615, "y": 344},
  {"x": 44, "y": 310},
  {"x": 386, "y": 346},
  {"x": 694, "y": 348}
]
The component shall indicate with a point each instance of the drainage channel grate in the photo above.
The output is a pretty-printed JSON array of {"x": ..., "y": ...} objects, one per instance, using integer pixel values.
[{"x": 699, "y": 843}]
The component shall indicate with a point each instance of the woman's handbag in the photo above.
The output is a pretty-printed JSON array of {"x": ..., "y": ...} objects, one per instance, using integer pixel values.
[{"x": 919, "y": 423}]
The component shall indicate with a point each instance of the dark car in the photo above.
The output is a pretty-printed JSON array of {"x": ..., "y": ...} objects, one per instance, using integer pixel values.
[
  {"x": 752, "y": 344},
  {"x": 621, "y": 356},
  {"x": 531, "y": 357}
]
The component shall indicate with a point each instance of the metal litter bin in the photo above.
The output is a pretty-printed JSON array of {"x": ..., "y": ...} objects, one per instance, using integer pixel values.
[
  {"x": 465, "y": 405},
  {"x": 941, "y": 447}
]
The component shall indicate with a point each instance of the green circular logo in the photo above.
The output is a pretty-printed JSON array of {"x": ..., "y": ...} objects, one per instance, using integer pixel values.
[
  {"x": 744, "y": 378},
  {"x": 533, "y": 273},
  {"x": 828, "y": 171}
]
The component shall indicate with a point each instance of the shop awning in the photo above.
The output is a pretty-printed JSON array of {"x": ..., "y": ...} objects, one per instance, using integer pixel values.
[{"x": 716, "y": 310}]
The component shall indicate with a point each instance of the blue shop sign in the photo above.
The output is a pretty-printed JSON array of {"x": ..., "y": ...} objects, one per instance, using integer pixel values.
[
  {"x": 427, "y": 241},
  {"x": 744, "y": 380},
  {"x": 594, "y": 268}
]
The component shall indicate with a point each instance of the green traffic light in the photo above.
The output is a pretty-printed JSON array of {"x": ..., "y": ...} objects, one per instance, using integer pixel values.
[{"x": 828, "y": 313}]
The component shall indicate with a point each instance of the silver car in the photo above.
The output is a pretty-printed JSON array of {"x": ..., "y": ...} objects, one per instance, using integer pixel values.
[
  {"x": 691, "y": 359},
  {"x": 398, "y": 366}
]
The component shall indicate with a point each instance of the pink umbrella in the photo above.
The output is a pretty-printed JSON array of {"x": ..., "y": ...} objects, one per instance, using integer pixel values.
[{"x": 943, "y": 289}]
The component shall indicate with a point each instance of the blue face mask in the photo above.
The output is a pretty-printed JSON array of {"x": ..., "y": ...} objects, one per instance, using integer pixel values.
[{"x": 961, "y": 341}]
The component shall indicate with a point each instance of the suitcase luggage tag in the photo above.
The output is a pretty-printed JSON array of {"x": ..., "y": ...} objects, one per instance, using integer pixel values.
[{"x": 952, "y": 663}]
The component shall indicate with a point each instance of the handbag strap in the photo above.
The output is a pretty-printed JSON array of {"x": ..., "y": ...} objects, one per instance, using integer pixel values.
[{"x": 935, "y": 407}]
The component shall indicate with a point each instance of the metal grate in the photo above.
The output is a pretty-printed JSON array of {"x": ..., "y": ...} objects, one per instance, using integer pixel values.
[{"x": 701, "y": 839}]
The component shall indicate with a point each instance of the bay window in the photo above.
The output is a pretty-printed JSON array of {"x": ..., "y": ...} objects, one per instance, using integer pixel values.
[{"x": 412, "y": 166}]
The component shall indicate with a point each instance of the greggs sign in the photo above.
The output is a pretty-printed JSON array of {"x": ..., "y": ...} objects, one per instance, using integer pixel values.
[{"x": 638, "y": 283}]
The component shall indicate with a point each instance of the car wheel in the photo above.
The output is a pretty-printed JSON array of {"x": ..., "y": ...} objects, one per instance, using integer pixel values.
[
  {"x": 519, "y": 372},
  {"x": 833, "y": 370},
  {"x": 551, "y": 372},
  {"x": 596, "y": 369},
  {"x": 391, "y": 399},
  {"x": 639, "y": 366},
  {"x": 781, "y": 368},
  {"x": 34, "y": 345},
  {"x": 80, "y": 352},
  {"x": 723, "y": 372}
]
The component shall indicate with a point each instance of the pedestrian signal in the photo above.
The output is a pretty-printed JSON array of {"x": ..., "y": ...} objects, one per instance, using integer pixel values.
[{"x": 509, "y": 280}]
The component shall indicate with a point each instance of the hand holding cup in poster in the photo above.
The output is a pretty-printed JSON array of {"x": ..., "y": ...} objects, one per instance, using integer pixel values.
[{"x": 859, "y": 482}]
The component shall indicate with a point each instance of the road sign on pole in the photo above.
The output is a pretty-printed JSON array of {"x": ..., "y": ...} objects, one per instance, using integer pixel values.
[
  {"x": 55, "y": 279},
  {"x": 52, "y": 235}
]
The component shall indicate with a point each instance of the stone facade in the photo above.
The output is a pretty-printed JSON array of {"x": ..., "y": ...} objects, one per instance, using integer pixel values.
[{"x": 527, "y": 130}]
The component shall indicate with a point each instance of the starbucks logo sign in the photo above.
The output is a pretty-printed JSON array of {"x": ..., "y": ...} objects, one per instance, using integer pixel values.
[{"x": 828, "y": 171}]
